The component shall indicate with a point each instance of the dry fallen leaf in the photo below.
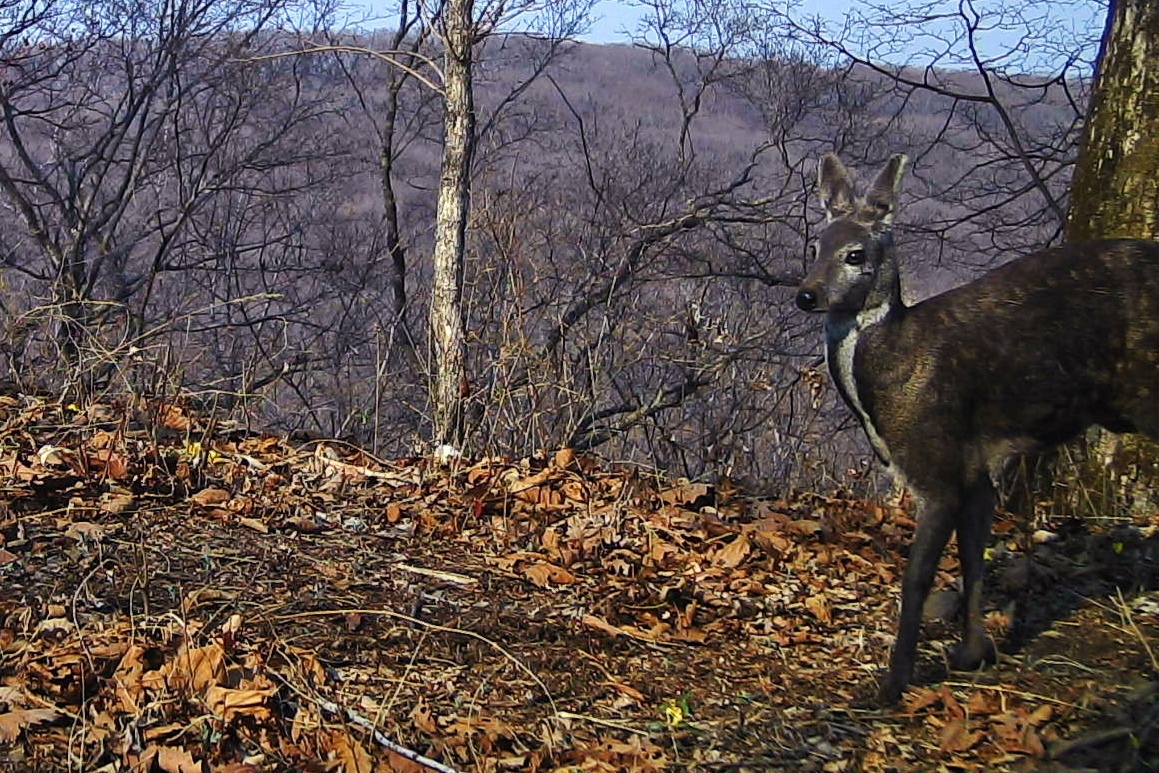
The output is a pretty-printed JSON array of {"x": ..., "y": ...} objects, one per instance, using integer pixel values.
[
  {"x": 128, "y": 678},
  {"x": 82, "y": 530},
  {"x": 627, "y": 690},
  {"x": 953, "y": 706},
  {"x": 110, "y": 463},
  {"x": 197, "y": 668},
  {"x": 228, "y": 703},
  {"x": 11, "y": 467},
  {"x": 563, "y": 458},
  {"x": 351, "y": 754},
  {"x": 733, "y": 553},
  {"x": 171, "y": 759},
  {"x": 1040, "y": 715},
  {"x": 601, "y": 624},
  {"x": 400, "y": 764},
  {"x": 305, "y": 723},
  {"x": 983, "y": 703},
  {"x": 820, "y": 608},
  {"x": 55, "y": 625},
  {"x": 918, "y": 698},
  {"x": 173, "y": 417},
  {"x": 544, "y": 574},
  {"x": 685, "y": 493},
  {"x": 393, "y": 512},
  {"x": 1032, "y": 744},
  {"x": 54, "y": 456},
  {"x": 116, "y": 503},
  {"x": 12, "y": 722},
  {"x": 956, "y": 737},
  {"x": 211, "y": 496},
  {"x": 769, "y": 534},
  {"x": 423, "y": 719},
  {"x": 253, "y": 523}
]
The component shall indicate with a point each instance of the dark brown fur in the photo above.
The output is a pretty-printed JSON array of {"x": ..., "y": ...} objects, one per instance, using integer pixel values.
[{"x": 1028, "y": 356}]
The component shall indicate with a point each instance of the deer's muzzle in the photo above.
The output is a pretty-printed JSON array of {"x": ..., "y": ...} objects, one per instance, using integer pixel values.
[{"x": 806, "y": 300}]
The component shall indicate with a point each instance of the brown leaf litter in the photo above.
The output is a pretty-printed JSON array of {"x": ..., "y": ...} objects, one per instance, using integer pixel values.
[{"x": 197, "y": 600}]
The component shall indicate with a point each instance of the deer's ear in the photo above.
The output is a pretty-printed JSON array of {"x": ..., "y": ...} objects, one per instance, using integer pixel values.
[
  {"x": 835, "y": 187},
  {"x": 881, "y": 201}
]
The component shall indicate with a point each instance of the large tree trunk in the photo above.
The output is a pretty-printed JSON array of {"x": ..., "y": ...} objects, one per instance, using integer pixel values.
[
  {"x": 1115, "y": 193},
  {"x": 446, "y": 316},
  {"x": 1115, "y": 189}
]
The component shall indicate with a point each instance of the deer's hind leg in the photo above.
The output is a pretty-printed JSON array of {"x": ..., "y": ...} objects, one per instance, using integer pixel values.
[
  {"x": 935, "y": 524},
  {"x": 973, "y": 532}
]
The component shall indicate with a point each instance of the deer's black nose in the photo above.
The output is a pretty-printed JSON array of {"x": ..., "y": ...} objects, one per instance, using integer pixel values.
[{"x": 806, "y": 300}]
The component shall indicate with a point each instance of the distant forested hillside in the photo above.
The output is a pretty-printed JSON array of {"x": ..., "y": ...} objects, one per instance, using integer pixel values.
[{"x": 196, "y": 213}]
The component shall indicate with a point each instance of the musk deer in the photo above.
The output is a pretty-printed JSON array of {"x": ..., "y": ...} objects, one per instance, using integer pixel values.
[{"x": 1025, "y": 357}]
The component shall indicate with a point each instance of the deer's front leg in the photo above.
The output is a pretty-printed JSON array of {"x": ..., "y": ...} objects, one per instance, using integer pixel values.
[
  {"x": 933, "y": 531},
  {"x": 973, "y": 532}
]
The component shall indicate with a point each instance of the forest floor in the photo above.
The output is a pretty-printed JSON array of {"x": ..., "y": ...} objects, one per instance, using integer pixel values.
[{"x": 178, "y": 597}]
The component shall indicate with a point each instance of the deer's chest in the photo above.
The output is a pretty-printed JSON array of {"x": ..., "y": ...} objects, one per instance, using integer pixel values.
[{"x": 840, "y": 354}]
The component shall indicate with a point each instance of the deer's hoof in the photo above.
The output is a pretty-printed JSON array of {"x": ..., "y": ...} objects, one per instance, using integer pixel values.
[
  {"x": 890, "y": 692},
  {"x": 970, "y": 656}
]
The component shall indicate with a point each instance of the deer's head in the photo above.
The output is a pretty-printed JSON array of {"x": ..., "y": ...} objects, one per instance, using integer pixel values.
[{"x": 854, "y": 270}]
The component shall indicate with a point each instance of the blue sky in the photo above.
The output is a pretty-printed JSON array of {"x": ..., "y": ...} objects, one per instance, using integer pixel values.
[
  {"x": 1066, "y": 20},
  {"x": 616, "y": 17}
]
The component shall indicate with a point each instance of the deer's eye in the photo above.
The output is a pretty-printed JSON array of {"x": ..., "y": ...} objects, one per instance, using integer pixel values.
[{"x": 855, "y": 257}]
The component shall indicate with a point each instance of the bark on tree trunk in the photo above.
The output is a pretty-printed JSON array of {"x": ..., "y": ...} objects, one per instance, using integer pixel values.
[
  {"x": 1115, "y": 189},
  {"x": 446, "y": 314},
  {"x": 390, "y": 221},
  {"x": 1115, "y": 193}
]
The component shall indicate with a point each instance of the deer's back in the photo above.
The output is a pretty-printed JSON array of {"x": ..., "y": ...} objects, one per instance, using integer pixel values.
[{"x": 1030, "y": 354}]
